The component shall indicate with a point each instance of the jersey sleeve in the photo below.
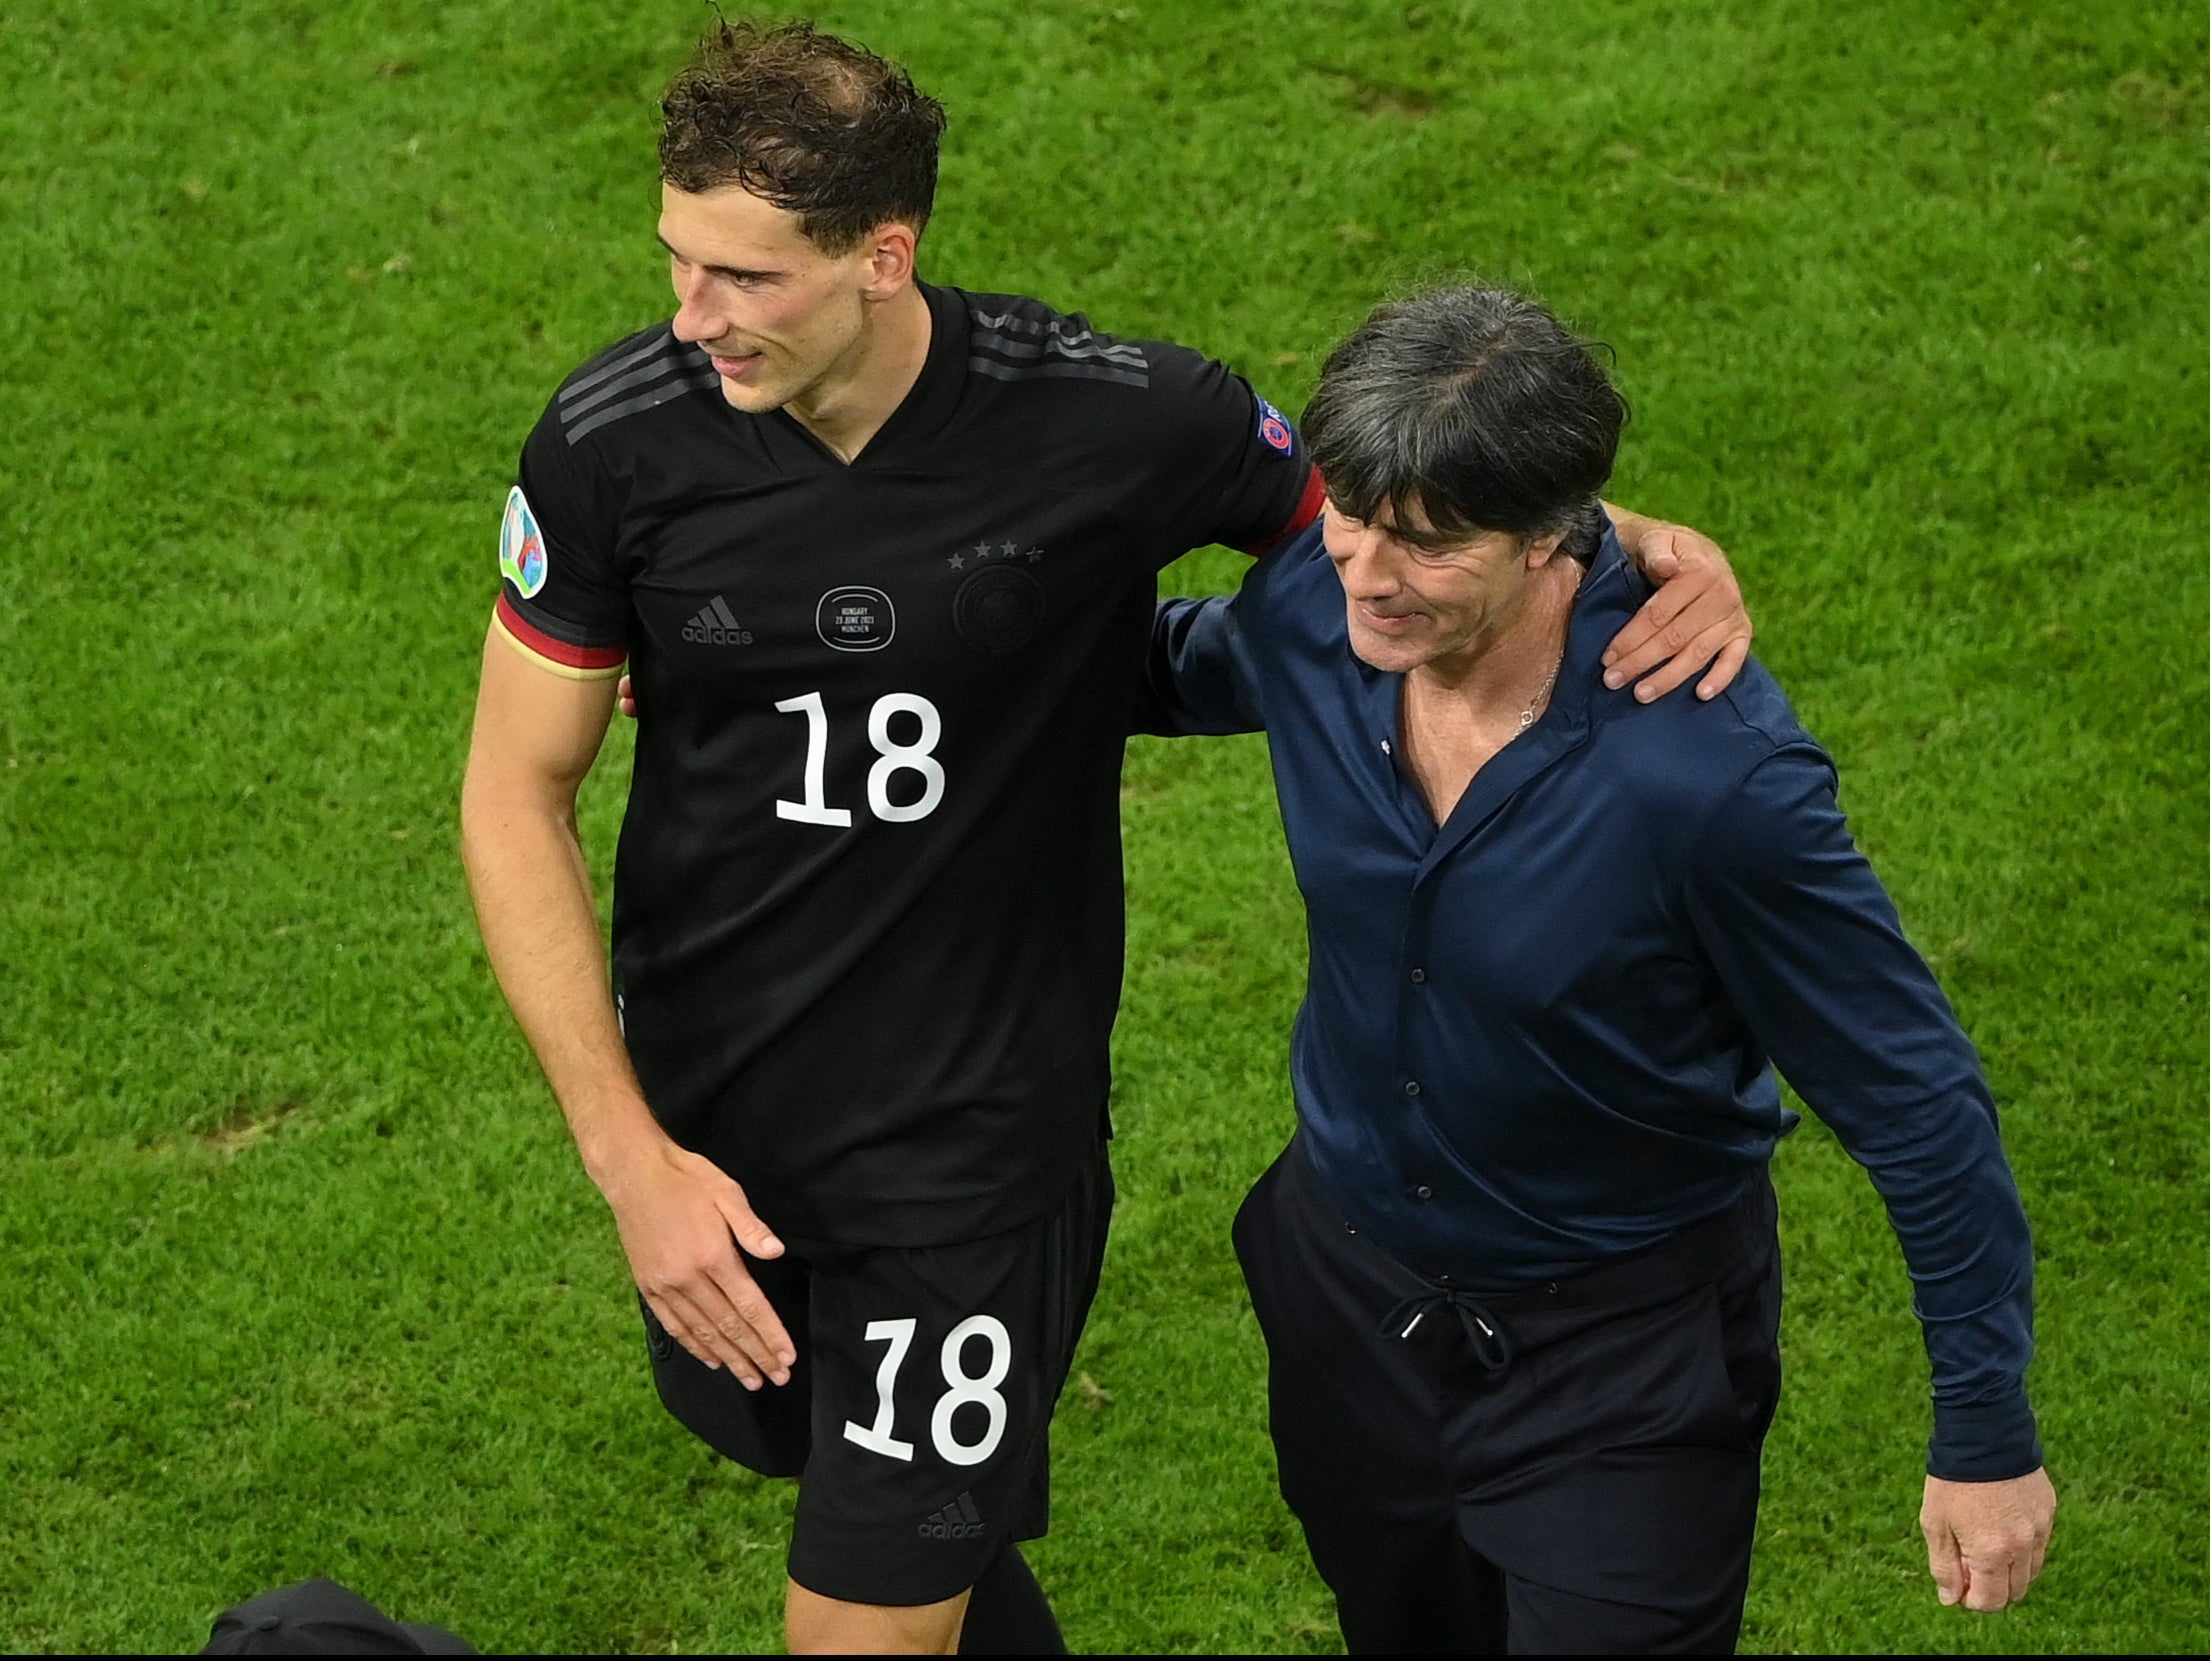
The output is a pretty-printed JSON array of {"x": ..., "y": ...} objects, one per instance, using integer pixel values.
[
  {"x": 1220, "y": 463},
  {"x": 563, "y": 600}
]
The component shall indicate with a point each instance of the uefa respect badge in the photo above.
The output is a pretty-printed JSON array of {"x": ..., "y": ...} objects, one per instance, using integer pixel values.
[{"x": 521, "y": 546}]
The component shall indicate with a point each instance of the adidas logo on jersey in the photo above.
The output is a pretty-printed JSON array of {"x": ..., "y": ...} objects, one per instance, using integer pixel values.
[
  {"x": 957, "y": 1521},
  {"x": 715, "y": 625}
]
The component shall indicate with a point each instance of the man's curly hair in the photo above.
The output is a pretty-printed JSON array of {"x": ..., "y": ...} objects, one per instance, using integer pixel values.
[{"x": 807, "y": 121}]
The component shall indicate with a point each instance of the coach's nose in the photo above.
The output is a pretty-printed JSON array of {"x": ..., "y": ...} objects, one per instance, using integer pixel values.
[{"x": 1362, "y": 560}]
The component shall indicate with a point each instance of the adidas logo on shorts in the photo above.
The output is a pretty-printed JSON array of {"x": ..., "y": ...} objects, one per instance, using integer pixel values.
[
  {"x": 716, "y": 625},
  {"x": 957, "y": 1521}
]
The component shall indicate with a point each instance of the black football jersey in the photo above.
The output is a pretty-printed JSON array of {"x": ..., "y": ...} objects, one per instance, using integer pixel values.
[{"x": 867, "y": 901}]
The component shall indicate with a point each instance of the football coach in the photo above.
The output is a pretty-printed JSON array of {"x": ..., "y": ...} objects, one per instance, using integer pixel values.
[{"x": 1518, "y": 1271}]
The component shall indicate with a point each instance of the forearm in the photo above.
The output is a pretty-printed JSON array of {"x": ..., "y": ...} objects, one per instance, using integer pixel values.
[{"x": 533, "y": 900}]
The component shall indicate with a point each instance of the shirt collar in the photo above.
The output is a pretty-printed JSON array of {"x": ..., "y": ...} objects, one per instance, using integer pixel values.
[
  {"x": 921, "y": 414},
  {"x": 1607, "y": 597},
  {"x": 1611, "y": 593},
  {"x": 929, "y": 405}
]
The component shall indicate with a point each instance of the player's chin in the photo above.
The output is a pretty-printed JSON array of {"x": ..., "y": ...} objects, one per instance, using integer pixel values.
[
  {"x": 754, "y": 385},
  {"x": 753, "y": 395}
]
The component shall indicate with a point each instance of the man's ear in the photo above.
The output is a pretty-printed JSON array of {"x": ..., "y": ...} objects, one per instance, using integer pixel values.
[
  {"x": 1543, "y": 550},
  {"x": 890, "y": 255}
]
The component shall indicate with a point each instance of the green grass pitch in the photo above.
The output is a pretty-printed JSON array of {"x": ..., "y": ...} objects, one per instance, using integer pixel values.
[{"x": 297, "y": 1272}]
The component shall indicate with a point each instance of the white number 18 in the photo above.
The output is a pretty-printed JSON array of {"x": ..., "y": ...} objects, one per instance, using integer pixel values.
[
  {"x": 891, "y": 758},
  {"x": 963, "y": 1389}
]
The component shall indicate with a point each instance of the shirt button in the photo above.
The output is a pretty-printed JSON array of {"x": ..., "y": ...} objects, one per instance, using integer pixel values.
[
  {"x": 1423, "y": 1192},
  {"x": 1419, "y": 977},
  {"x": 1411, "y": 1087}
]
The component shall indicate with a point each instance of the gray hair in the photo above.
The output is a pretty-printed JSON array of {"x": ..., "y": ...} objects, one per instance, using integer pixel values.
[{"x": 1476, "y": 407}]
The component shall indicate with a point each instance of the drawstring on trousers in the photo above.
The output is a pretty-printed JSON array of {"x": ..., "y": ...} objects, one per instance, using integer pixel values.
[{"x": 1491, "y": 1342}]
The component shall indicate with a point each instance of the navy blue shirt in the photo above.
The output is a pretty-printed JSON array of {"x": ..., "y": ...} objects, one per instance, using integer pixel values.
[{"x": 1543, "y": 1035}]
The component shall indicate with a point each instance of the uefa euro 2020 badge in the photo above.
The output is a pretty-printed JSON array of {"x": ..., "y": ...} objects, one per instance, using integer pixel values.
[
  {"x": 521, "y": 546},
  {"x": 1273, "y": 428}
]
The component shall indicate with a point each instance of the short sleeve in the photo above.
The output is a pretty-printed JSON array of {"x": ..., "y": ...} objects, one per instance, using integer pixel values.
[
  {"x": 1220, "y": 463},
  {"x": 563, "y": 602}
]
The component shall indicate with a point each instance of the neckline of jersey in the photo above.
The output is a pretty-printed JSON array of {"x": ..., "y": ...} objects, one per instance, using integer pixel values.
[{"x": 920, "y": 415}]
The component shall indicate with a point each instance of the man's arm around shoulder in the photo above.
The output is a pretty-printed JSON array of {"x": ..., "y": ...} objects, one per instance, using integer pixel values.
[
  {"x": 1197, "y": 678},
  {"x": 681, "y": 1217}
]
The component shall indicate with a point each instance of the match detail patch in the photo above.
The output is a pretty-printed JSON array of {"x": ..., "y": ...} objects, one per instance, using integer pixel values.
[
  {"x": 521, "y": 546},
  {"x": 1273, "y": 429},
  {"x": 855, "y": 619}
]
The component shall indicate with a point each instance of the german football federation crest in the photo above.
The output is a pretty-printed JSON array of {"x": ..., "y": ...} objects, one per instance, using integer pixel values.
[
  {"x": 999, "y": 609},
  {"x": 855, "y": 619},
  {"x": 521, "y": 546}
]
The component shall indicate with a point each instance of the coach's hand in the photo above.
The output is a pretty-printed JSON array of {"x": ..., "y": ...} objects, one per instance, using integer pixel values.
[
  {"x": 625, "y": 694},
  {"x": 1985, "y": 1540},
  {"x": 681, "y": 1222},
  {"x": 1695, "y": 619}
]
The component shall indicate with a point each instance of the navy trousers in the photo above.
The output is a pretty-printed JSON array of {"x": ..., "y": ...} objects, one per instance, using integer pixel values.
[{"x": 1566, "y": 1467}]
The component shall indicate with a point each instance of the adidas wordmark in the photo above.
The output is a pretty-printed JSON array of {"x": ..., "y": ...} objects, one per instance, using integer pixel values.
[
  {"x": 957, "y": 1521},
  {"x": 716, "y": 625}
]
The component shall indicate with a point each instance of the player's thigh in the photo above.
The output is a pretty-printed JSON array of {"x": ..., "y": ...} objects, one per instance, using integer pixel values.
[
  {"x": 815, "y": 1625},
  {"x": 936, "y": 1370}
]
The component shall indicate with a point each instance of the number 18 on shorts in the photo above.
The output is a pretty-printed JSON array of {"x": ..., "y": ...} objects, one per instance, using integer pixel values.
[
  {"x": 918, "y": 1415},
  {"x": 960, "y": 1390}
]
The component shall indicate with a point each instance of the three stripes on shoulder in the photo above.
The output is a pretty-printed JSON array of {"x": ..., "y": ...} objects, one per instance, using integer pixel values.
[
  {"x": 644, "y": 377},
  {"x": 1009, "y": 347}
]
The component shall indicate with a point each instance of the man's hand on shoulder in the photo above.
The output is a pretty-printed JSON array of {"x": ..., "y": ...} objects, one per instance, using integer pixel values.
[
  {"x": 682, "y": 1220},
  {"x": 1985, "y": 1540},
  {"x": 1696, "y": 619}
]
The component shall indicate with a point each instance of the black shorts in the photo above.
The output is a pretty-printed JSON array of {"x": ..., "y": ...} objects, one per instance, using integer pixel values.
[{"x": 919, "y": 1410}]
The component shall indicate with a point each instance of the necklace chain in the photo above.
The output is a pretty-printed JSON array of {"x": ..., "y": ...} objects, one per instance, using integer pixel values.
[{"x": 1527, "y": 715}]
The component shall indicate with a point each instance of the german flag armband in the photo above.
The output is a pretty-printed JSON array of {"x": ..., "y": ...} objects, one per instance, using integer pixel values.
[{"x": 548, "y": 640}]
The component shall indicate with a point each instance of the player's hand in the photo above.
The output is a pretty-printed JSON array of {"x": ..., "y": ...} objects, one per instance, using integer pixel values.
[
  {"x": 1696, "y": 618},
  {"x": 625, "y": 694},
  {"x": 1985, "y": 1540},
  {"x": 681, "y": 1222}
]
